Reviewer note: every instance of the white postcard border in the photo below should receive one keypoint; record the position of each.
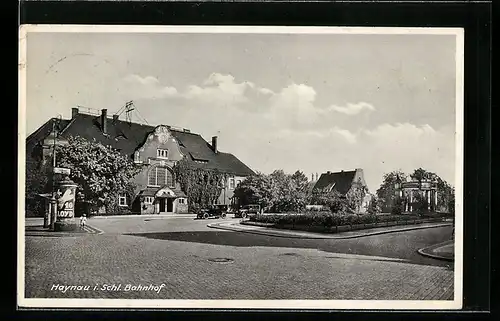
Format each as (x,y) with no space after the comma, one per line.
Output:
(456,303)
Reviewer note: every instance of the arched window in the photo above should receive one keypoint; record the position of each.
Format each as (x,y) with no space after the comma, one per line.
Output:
(159,176)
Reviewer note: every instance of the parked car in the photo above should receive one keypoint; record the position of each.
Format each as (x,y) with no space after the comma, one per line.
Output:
(214,211)
(247,210)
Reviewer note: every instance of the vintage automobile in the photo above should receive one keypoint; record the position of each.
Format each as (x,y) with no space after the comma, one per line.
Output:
(248,210)
(213,211)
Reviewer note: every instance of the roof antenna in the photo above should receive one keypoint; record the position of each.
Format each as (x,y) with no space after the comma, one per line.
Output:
(129,107)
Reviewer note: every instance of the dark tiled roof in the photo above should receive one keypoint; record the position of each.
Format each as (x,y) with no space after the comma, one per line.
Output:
(44,130)
(123,136)
(127,137)
(342,180)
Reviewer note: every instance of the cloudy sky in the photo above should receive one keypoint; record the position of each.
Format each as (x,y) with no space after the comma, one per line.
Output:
(313,102)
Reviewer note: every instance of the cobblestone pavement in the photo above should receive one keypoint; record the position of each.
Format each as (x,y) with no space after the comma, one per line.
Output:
(179,253)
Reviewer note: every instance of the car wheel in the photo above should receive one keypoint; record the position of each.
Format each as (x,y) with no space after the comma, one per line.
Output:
(223,215)
(205,216)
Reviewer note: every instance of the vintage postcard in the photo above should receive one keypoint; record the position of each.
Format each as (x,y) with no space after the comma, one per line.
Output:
(240,167)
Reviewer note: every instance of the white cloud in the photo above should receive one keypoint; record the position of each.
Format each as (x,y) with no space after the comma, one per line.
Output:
(147,87)
(219,89)
(349,137)
(290,125)
(408,146)
(352,109)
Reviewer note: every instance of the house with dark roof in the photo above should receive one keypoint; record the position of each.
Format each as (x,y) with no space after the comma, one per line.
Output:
(156,147)
(342,182)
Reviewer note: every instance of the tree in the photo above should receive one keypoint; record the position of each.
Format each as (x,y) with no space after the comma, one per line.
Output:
(202,186)
(284,188)
(256,189)
(398,205)
(420,204)
(300,180)
(445,192)
(99,171)
(421,174)
(38,181)
(373,206)
(356,195)
(386,193)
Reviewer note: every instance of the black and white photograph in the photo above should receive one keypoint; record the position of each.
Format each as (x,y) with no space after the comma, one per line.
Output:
(240,167)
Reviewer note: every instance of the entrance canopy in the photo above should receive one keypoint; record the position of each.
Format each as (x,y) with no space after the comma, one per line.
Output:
(162,192)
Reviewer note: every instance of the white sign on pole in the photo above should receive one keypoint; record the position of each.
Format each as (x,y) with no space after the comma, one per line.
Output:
(60,170)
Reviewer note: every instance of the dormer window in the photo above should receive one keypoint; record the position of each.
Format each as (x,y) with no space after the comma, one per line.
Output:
(162,153)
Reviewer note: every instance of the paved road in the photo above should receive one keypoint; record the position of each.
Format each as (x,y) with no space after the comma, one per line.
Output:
(179,253)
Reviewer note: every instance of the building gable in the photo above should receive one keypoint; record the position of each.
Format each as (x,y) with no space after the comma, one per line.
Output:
(160,145)
(339,181)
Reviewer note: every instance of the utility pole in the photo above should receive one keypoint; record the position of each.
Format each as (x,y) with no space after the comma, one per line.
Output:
(53,202)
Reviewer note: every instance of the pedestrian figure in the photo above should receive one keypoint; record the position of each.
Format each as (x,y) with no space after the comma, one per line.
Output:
(83,220)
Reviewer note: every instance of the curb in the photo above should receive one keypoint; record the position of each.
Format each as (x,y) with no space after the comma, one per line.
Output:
(434,256)
(320,237)
(89,230)
(93,230)
(156,216)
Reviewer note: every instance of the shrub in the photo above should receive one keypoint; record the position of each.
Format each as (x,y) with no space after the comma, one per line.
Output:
(329,219)
(397,209)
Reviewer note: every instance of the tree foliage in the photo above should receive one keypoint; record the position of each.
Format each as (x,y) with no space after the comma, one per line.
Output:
(356,195)
(202,186)
(386,193)
(276,192)
(99,171)
(388,197)
(256,189)
(38,181)
(373,205)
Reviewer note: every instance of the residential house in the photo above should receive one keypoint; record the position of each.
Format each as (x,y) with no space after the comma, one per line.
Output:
(157,147)
(342,182)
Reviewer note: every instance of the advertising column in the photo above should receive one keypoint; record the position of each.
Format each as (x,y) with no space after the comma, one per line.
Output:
(65,202)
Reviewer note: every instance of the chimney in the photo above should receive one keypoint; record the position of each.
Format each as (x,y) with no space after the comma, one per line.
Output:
(316,176)
(214,144)
(115,118)
(104,121)
(312,177)
(74,112)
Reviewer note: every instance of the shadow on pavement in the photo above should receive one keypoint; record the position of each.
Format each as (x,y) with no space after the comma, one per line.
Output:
(394,245)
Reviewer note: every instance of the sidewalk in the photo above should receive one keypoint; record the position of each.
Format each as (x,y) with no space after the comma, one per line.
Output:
(237,227)
(150,216)
(441,251)
(39,230)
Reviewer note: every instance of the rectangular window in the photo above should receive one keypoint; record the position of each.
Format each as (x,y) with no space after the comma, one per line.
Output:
(231,183)
(148,200)
(161,153)
(122,200)
(238,182)
(181,201)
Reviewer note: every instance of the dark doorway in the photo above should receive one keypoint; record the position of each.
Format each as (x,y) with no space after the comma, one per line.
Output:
(170,204)
(162,205)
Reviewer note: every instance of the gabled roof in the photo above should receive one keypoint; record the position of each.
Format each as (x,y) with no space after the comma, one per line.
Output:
(44,130)
(126,137)
(340,181)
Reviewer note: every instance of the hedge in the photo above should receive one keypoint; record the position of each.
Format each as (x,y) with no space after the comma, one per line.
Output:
(327,219)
